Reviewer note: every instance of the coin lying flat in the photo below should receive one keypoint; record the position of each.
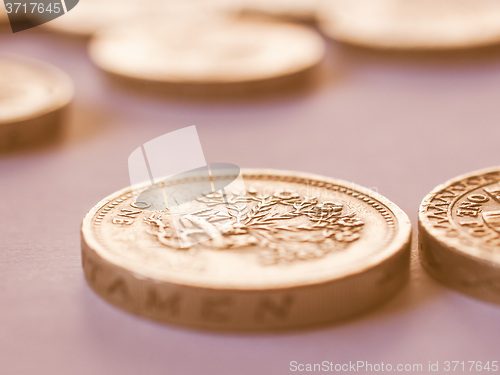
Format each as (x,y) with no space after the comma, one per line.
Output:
(412,24)
(208,53)
(459,235)
(301,10)
(92,15)
(33,97)
(289,250)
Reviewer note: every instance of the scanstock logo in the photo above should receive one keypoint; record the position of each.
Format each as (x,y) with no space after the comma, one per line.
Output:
(25,14)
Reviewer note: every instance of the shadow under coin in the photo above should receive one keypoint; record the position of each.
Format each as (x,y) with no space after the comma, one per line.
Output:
(291,86)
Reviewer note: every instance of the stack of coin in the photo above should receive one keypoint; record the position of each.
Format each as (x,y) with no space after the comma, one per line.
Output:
(33,97)
(412,24)
(459,233)
(208,56)
(292,250)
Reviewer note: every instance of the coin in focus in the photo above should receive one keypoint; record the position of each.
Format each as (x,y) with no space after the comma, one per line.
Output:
(412,24)
(208,55)
(459,234)
(33,99)
(288,250)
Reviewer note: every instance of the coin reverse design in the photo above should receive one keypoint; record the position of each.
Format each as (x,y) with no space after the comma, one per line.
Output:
(292,250)
(459,234)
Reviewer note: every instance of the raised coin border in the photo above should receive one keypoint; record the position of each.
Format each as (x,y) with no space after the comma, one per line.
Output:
(443,249)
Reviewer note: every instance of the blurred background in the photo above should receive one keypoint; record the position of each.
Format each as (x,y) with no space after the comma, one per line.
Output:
(398,120)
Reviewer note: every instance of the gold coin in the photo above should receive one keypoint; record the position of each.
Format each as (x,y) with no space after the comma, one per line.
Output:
(212,54)
(459,234)
(91,16)
(412,24)
(300,10)
(287,250)
(33,97)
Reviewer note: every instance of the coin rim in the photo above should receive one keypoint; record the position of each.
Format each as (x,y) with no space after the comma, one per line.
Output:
(57,75)
(104,67)
(427,229)
(326,24)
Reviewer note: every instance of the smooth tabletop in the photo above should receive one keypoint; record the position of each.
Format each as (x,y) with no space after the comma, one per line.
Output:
(398,123)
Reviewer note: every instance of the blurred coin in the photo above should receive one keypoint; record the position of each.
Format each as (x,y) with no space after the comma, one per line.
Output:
(300,10)
(289,250)
(207,54)
(459,234)
(412,24)
(92,15)
(33,96)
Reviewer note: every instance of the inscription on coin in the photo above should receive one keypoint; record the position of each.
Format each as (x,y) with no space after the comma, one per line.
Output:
(173,303)
(460,233)
(291,250)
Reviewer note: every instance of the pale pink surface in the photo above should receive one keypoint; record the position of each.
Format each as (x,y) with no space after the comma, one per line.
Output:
(401,124)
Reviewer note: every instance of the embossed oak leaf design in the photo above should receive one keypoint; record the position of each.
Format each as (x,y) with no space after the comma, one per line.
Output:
(284,226)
